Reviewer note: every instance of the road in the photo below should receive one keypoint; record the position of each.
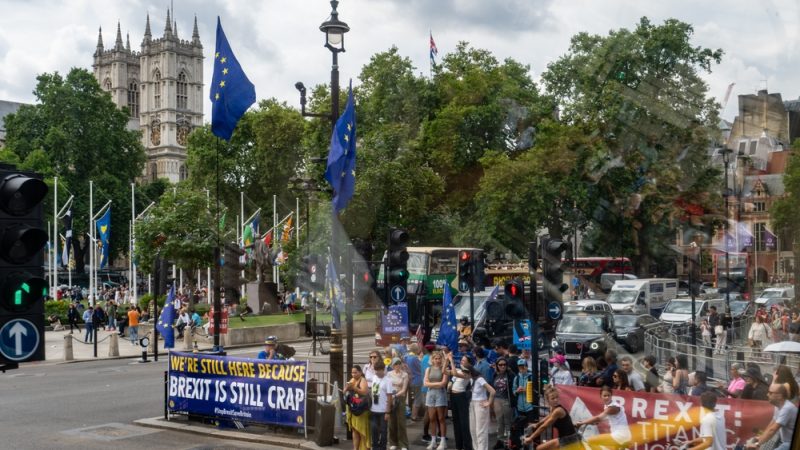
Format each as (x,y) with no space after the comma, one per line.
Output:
(92,404)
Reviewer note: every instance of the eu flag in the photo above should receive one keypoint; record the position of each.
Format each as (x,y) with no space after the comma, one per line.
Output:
(341,170)
(166,320)
(334,290)
(104,229)
(448,334)
(231,92)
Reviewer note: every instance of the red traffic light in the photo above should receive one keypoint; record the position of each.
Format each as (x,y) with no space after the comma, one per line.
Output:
(464,255)
(514,290)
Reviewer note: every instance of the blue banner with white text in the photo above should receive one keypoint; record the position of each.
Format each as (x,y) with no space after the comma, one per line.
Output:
(395,320)
(244,389)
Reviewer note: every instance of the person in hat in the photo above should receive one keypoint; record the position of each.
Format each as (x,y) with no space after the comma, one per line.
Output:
(270,349)
(755,387)
(464,327)
(561,374)
(519,388)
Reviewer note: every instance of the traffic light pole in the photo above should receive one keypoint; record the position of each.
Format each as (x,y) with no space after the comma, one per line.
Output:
(534,316)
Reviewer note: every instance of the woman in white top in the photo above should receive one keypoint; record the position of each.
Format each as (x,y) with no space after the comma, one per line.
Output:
(479,407)
(614,413)
(666,380)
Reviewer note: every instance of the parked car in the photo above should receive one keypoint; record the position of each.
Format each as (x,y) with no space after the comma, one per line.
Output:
(780,292)
(631,329)
(581,334)
(587,305)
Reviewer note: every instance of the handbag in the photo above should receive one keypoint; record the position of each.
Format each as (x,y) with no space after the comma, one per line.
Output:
(719,330)
(358,403)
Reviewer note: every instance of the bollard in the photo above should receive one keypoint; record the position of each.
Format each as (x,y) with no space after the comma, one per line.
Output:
(187,340)
(113,345)
(68,356)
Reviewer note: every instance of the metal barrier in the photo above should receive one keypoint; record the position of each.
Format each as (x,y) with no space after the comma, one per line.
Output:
(716,365)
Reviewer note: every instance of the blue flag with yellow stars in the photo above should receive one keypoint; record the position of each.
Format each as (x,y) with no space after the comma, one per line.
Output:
(167,319)
(104,234)
(341,170)
(231,92)
(448,334)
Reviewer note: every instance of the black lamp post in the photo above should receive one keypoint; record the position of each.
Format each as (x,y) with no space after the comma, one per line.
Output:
(726,160)
(334,30)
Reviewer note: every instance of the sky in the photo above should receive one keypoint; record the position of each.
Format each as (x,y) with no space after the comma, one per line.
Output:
(279,43)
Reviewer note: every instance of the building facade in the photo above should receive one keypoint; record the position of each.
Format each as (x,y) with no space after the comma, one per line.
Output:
(162,87)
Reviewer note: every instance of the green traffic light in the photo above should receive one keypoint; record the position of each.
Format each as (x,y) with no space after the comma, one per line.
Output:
(26,288)
(18,298)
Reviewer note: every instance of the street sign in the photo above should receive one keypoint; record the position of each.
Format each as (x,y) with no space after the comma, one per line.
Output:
(19,339)
(554,311)
(398,294)
(464,286)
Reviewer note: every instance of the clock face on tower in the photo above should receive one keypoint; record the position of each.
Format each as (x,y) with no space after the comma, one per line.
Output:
(183,135)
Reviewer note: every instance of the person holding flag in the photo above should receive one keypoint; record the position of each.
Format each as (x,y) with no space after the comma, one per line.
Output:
(167,318)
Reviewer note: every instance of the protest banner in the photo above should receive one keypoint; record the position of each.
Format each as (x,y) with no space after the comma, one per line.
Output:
(657,421)
(244,389)
(223,329)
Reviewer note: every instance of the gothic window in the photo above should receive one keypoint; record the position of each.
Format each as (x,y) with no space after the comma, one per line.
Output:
(154,172)
(183,90)
(758,232)
(183,173)
(155,132)
(759,207)
(107,85)
(133,99)
(183,130)
(157,89)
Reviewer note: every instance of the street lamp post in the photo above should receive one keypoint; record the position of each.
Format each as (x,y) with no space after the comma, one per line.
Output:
(726,160)
(334,30)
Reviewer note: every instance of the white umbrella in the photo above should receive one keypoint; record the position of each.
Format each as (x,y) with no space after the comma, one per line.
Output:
(783,347)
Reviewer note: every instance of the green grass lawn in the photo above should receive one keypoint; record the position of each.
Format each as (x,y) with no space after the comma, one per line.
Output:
(281,319)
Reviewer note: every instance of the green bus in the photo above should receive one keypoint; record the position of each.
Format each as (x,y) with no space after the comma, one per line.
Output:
(429,269)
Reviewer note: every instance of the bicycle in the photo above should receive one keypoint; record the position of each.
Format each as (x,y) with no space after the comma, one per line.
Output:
(322,337)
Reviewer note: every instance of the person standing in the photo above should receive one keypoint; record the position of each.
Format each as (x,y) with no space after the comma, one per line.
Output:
(504,400)
(758,336)
(360,424)
(72,317)
(369,368)
(613,412)
(712,426)
(424,364)
(398,434)
(783,420)
(634,378)
(414,365)
(381,411)
(736,384)
(714,321)
(606,376)
(479,406)
(133,325)
(680,375)
(436,399)
(87,320)
(111,307)
(459,400)
(755,387)
(721,331)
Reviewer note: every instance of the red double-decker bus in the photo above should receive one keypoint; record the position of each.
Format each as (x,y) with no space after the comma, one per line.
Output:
(593,266)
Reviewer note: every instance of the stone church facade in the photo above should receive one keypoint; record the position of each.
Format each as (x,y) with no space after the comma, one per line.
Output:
(162,87)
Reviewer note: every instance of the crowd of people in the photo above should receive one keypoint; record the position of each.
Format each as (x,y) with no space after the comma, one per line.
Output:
(491,388)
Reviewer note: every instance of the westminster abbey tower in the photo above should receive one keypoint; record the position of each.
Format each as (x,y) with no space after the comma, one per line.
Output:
(162,86)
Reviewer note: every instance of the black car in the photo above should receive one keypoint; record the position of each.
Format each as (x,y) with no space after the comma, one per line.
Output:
(631,329)
(581,334)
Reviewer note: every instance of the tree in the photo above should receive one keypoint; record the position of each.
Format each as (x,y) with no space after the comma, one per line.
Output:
(785,212)
(75,132)
(640,93)
(179,228)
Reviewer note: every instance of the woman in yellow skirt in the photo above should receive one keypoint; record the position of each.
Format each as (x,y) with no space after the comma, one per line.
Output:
(359,424)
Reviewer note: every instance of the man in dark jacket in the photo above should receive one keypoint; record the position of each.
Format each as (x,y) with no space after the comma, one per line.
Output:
(73,316)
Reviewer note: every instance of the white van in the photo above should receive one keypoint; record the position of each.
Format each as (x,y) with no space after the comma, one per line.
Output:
(784,292)
(679,311)
(642,296)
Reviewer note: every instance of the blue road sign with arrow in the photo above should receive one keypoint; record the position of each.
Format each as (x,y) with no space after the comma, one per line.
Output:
(554,311)
(398,294)
(19,339)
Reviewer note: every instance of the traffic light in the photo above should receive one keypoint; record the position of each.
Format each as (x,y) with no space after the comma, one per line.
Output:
(515,299)
(544,373)
(365,281)
(231,273)
(553,270)
(397,262)
(465,278)
(23,288)
(316,272)
(479,270)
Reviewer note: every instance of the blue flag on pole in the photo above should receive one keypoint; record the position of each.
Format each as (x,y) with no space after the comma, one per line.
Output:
(231,91)
(334,290)
(448,334)
(341,169)
(167,319)
(104,234)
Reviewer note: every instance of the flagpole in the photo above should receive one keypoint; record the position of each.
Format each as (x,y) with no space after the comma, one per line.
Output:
(90,247)
(274,226)
(133,287)
(53,268)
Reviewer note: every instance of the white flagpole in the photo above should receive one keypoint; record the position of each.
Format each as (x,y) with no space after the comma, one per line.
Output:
(53,267)
(90,247)
(274,235)
(132,289)
(297,207)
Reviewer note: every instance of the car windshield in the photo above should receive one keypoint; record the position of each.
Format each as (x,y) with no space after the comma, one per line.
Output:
(623,321)
(681,307)
(622,297)
(772,294)
(580,324)
(737,308)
